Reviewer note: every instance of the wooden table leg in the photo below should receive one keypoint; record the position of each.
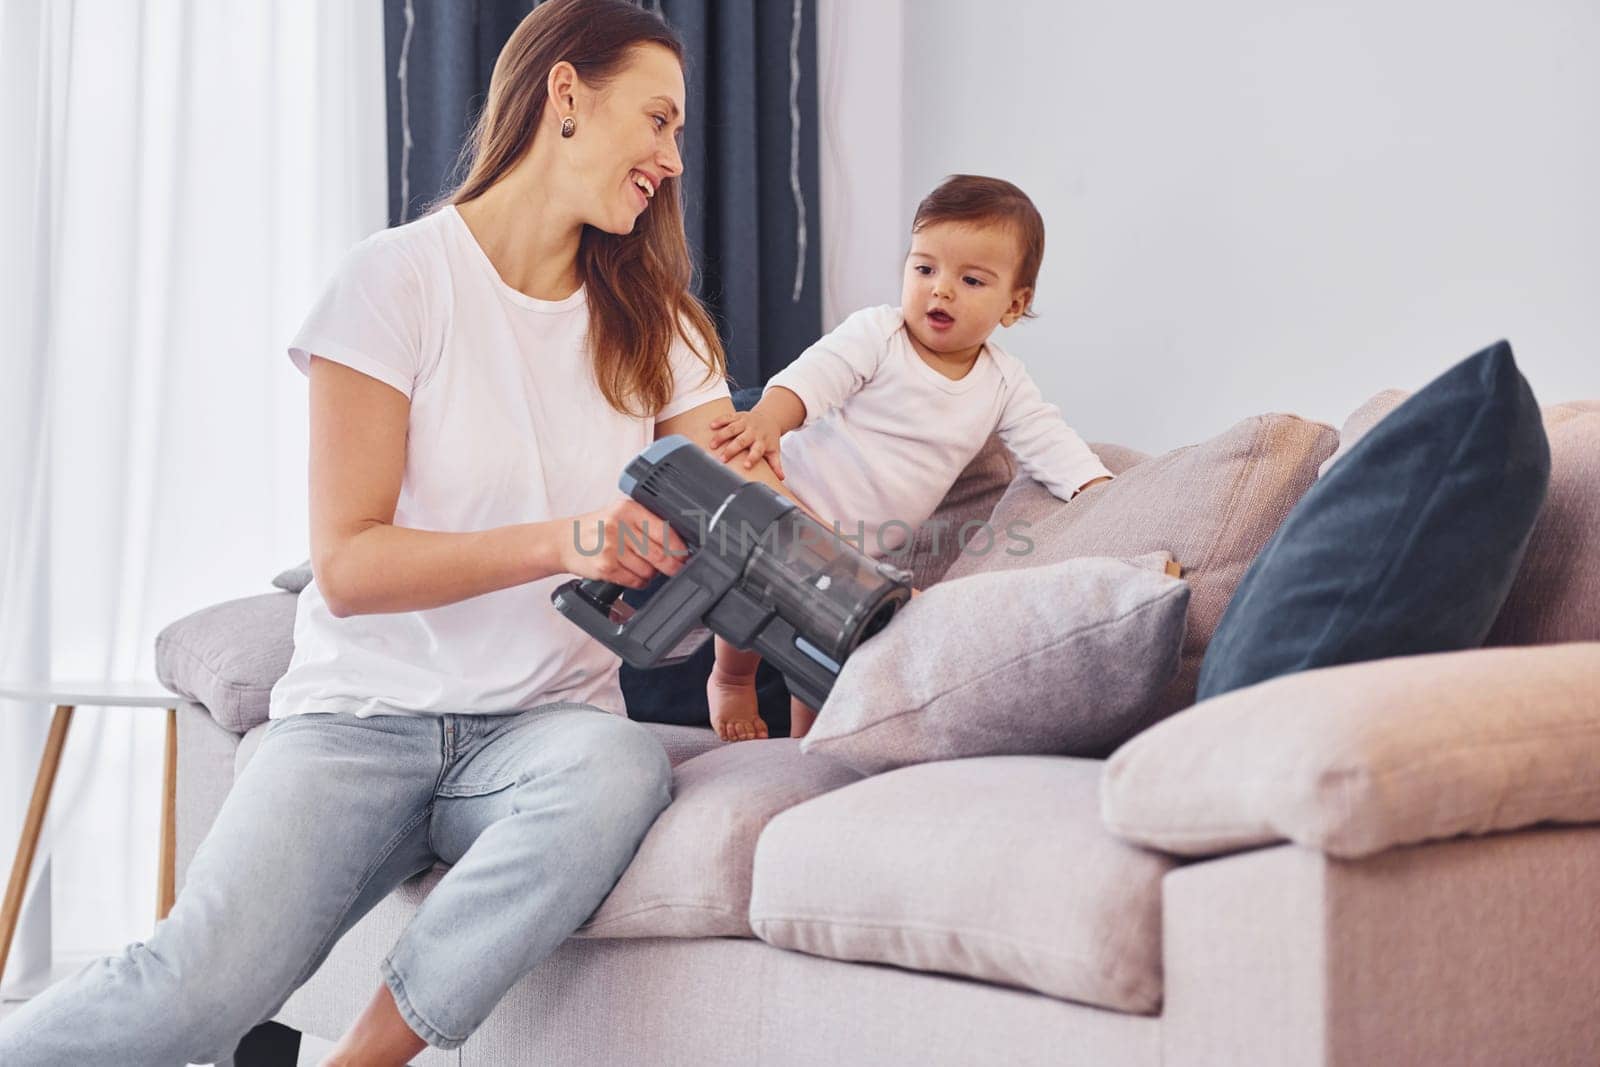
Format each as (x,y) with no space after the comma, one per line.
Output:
(43,783)
(166,876)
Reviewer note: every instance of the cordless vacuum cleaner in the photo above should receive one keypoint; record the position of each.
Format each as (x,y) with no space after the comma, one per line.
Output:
(761,574)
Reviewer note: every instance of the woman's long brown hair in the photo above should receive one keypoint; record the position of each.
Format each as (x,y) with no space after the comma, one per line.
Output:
(637,284)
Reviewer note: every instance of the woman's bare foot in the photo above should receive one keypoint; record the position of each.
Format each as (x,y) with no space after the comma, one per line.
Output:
(735,712)
(801,716)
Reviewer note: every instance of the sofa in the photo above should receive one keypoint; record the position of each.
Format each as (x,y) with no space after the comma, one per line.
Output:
(1248,902)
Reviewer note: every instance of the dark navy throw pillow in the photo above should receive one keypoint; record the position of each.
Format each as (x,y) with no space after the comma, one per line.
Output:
(1407,545)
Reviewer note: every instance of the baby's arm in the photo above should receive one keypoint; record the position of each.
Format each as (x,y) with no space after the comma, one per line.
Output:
(820,379)
(756,432)
(783,406)
(836,367)
(1045,446)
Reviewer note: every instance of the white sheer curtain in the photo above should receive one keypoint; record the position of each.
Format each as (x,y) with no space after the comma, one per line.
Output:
(177,180)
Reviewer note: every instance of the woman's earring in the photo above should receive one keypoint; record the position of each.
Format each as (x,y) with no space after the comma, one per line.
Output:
(568,127)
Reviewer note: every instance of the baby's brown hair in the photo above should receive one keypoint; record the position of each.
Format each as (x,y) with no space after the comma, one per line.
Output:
(972,198)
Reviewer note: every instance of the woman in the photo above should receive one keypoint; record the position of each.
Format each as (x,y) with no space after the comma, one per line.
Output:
(478,379)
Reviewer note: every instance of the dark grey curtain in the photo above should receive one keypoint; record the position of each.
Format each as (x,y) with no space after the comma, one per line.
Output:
(750,148)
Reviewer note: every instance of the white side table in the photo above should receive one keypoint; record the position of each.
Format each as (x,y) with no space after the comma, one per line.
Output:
(66,695)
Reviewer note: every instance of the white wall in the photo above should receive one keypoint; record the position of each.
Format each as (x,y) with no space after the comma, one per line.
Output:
(1254,206)
(860,78)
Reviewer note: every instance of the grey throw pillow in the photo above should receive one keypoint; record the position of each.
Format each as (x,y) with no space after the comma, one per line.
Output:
(295,578)
(1212,505)
(1063,659)
(229,656)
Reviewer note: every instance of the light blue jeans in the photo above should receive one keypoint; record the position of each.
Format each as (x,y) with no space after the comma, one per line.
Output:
(539,812)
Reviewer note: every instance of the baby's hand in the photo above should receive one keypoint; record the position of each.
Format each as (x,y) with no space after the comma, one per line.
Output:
(750,432)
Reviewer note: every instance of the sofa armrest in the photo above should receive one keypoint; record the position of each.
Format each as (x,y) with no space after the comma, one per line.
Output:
(1355,759)
(207,753)
(1483,950)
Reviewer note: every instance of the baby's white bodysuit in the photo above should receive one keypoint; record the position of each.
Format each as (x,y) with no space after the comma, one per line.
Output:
(885,435)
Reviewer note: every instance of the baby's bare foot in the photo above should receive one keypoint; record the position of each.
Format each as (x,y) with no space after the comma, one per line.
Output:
(735,712)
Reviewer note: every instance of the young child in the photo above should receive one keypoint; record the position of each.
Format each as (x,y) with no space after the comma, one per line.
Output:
(879,417)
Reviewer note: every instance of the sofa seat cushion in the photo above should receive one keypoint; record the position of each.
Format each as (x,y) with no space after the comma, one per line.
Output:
(994,868)
(229,656)
(1212,506)
(691,875)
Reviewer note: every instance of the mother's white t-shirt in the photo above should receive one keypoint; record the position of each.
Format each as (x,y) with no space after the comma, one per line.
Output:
(507,426)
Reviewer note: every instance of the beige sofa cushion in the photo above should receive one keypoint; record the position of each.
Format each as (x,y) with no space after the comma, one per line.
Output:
(1212,506)
(1118,458)
(1361,420)
(1556,594)
(972,498)
(994,868)
(691,875)
(1060,660)
(1356,759)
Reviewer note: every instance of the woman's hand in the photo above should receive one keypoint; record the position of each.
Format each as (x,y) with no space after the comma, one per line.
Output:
(753,432)
(623,543)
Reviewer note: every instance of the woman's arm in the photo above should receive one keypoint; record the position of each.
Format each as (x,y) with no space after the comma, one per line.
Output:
(365,565)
